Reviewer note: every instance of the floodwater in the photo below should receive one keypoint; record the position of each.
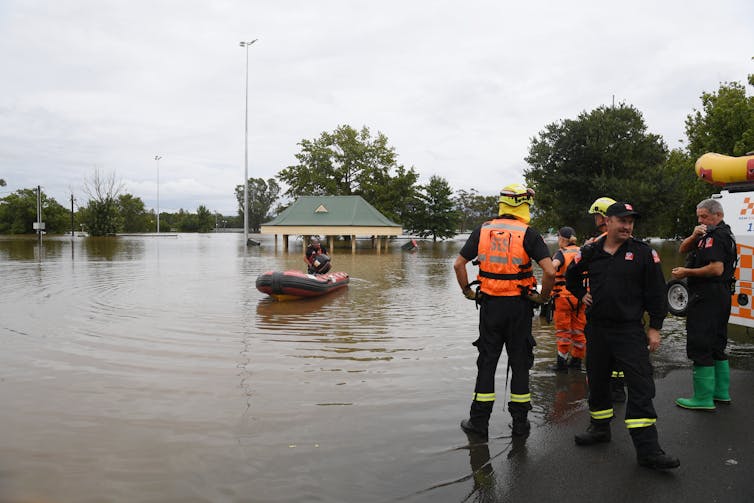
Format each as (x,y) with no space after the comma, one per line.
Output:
(150,369)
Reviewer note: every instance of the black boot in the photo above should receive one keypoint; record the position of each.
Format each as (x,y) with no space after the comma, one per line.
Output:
(479,418)
(473,429)
(560,365)
(617,389)
(519,412)
(575,363)
(597,432)
(648,451)
(658,460)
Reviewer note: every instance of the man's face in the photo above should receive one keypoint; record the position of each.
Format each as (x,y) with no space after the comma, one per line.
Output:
(599,221)
(620,228)
(703,216)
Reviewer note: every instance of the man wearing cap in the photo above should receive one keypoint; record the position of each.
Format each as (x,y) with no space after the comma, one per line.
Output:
(569,311)
(625,281)
(505,249)
(599,210)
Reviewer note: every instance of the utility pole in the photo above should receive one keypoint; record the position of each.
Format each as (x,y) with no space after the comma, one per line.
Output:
(72,229)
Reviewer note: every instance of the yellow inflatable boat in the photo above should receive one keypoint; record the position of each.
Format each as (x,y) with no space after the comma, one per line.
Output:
(719,169)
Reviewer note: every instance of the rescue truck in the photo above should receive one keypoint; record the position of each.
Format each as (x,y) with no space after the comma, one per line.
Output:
(735,175)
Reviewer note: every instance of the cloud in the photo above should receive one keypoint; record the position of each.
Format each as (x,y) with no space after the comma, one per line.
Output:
(459,89)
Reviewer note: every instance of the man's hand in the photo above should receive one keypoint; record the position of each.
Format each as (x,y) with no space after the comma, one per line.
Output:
(679,272)
(699,231)
(653,339)
(469,293)
(587,299)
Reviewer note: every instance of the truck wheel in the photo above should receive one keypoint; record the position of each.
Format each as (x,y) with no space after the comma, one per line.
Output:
(678,297)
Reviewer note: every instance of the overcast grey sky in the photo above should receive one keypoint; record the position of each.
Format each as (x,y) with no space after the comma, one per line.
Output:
(459,88)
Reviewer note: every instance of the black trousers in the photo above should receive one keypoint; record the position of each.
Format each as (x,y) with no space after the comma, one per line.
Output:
(707,323)
(505,322)
(624,345)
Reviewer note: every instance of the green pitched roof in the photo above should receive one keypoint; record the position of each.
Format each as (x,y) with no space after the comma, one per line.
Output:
(349,211)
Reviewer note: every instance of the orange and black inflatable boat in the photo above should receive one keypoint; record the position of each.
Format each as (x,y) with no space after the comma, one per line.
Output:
(292,285)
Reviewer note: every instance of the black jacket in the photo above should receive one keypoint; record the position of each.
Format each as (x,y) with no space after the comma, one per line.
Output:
(623,285)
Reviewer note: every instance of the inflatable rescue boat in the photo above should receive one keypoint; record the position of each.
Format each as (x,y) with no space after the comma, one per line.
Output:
(719,169)
(292,285)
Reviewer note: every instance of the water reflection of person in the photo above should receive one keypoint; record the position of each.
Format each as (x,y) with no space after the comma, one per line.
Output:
(570,391)
(481,470)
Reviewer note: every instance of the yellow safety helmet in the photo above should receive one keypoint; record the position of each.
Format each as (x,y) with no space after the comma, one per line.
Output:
(516,194)
(600,206)
(515,200)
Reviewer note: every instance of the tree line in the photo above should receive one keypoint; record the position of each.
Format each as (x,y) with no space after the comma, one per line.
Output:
(107,212)
(607,151)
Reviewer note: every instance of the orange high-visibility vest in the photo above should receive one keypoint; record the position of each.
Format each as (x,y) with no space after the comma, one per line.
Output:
(505,269)
(569,253)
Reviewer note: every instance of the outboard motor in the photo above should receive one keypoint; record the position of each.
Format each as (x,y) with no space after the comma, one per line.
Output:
(321,264)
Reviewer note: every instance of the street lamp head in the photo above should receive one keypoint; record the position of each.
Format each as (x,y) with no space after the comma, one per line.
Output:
(157,157)
(246,44)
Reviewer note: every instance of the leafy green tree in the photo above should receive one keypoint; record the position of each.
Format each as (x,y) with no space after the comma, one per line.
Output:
(474,208)
(18,212)
(394,195)
(350,162)
(205,219)
(102,215)
(686,190)
(2,182)
(434,213)
(725,124)
(262,195)
(605,152)
(133,214)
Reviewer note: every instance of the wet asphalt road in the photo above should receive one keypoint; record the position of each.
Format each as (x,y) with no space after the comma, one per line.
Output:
(716,450)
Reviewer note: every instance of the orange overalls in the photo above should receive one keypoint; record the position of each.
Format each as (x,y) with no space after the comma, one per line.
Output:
(570,316)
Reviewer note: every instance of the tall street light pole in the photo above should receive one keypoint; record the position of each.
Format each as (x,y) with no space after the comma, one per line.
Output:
(157,160)
(246,152)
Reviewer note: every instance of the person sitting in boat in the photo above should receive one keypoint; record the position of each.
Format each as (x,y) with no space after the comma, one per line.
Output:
(314,266)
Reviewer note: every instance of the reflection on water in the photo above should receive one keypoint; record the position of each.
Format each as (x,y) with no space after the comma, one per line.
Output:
(154,366)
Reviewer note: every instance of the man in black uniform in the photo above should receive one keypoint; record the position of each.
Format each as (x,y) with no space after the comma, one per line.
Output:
(505,248)
(625,280)
(710,273)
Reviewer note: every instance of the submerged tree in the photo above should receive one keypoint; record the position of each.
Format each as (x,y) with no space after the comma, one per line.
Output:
(18,212)
(605,152)
(434,213)
(262,195)
(102,215)
(474,208)
(350,162)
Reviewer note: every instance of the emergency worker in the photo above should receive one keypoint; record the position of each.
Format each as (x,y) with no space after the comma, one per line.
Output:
(710,271)
(625,280)
(569,311)
(315,248)
(599,209)
(504,249)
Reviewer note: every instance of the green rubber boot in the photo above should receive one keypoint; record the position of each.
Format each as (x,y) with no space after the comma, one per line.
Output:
(704,386)
(722,381)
